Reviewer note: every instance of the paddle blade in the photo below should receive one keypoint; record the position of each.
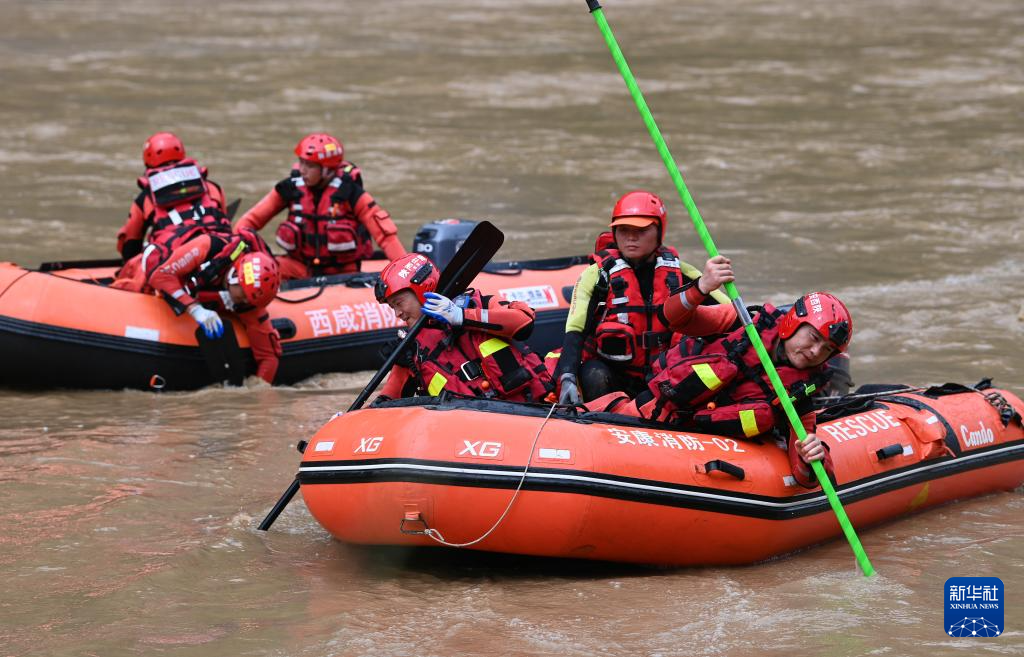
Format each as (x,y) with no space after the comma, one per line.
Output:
(232,208)
(224,358)
(470,259)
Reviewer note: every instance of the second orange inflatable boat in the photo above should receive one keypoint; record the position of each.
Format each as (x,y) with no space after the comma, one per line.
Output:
(506,478)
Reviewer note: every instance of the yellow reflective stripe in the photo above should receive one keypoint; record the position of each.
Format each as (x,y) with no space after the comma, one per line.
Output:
(490,346)
(689,270)
(748,420)
(238,251)
(436,384)
(708,376)
(553,354)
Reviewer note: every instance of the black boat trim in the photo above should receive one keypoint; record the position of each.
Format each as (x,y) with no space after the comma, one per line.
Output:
(38,330)
(647,491)
(372,338)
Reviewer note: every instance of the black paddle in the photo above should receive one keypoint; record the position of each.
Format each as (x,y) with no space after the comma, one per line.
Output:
(232,208)
(224,359)
(465,265)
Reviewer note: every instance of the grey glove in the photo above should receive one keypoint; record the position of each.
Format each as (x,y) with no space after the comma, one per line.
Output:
(569,390)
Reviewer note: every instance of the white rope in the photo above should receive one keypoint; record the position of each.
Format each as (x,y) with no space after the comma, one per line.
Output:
(436,535)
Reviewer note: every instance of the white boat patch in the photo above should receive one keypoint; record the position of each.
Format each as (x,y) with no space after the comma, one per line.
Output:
(140,333)
(555,454)
(536,296)
(324,446)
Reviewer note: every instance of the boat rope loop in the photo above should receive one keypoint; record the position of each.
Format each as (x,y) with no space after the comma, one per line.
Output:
(436,535)
(1007,413)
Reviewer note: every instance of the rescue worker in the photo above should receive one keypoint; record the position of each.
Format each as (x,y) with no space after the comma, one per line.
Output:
(176,201)
(221,272)
(331,218)
(616,326)
(468,346)
(720,387)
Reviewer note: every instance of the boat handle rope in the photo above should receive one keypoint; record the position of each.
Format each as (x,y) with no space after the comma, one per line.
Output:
(437,536)
(304,299)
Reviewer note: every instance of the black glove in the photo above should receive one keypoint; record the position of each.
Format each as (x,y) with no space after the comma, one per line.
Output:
(348,192)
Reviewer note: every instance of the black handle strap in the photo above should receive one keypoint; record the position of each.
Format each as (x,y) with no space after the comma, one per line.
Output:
(889,451)
(725,467)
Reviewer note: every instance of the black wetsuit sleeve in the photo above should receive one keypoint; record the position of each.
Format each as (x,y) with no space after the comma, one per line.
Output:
(572,352)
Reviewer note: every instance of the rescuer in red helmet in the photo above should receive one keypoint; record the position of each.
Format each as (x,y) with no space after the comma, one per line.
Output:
(616,326)
(176,202)
(221,272)
(719,387)
(470,344)
(332,221)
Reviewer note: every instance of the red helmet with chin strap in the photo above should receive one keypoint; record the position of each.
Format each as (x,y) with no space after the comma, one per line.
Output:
(161,148)
(258,276)
(412,271)
(321,148)
(640,209)
(827,314)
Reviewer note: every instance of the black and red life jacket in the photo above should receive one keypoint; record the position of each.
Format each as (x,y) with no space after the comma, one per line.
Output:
(721,387)
(182,205)
(323,231)
(207,284)
(629,331)
(475,363)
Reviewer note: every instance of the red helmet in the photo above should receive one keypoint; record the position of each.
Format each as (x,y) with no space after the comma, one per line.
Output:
(258,276)
(825,313)
(161,148)
(640,209)
(413,271)
(322,149)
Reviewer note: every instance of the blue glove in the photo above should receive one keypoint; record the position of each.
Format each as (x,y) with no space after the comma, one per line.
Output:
(212,325)
(442,309)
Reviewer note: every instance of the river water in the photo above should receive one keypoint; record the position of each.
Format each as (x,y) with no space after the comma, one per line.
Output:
(872,148)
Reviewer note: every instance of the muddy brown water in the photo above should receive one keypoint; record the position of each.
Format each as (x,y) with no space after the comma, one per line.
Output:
(870,148)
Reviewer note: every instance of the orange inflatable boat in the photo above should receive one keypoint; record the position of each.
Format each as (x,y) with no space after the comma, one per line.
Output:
(507,478)
(61,325)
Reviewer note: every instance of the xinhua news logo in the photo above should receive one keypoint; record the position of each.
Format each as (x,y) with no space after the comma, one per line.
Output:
(974,606)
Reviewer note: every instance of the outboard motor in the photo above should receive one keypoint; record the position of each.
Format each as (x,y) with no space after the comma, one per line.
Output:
(439,240)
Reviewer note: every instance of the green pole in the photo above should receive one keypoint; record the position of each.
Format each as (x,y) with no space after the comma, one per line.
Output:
(730,288)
